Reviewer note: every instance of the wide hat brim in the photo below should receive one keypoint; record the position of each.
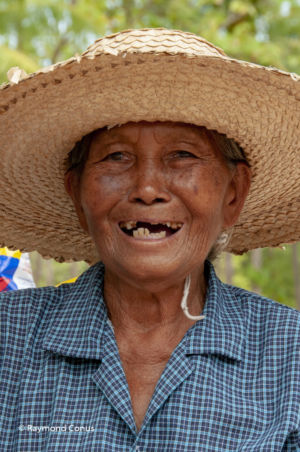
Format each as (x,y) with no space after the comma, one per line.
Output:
(152,75)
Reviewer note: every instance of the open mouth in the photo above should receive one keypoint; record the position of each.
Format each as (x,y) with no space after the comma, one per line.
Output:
(141,229)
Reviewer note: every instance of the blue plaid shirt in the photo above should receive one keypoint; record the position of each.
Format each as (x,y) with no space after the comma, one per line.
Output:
(231,384)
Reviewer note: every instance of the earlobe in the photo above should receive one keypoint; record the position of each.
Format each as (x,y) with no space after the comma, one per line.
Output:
(71,184)
(237,193)
(72,187)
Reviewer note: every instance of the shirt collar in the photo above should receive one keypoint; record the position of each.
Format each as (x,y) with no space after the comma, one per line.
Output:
(79,317)
(222,331)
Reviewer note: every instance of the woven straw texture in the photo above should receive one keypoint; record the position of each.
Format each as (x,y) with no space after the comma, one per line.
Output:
(153,75)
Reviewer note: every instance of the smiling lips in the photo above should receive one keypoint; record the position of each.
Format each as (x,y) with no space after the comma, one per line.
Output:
(145,230)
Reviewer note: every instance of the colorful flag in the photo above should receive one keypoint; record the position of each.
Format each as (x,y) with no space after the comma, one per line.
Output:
(15,270)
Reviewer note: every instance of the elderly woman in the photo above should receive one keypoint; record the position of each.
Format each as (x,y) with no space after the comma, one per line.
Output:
(157,135)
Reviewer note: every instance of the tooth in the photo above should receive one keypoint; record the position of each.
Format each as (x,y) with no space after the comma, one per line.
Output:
(176,225)
(140,232)
(144,232)
(158,235)
(128,224)
(168,224)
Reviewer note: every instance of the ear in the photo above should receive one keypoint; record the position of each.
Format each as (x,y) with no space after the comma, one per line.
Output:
(236,195)
(72,187)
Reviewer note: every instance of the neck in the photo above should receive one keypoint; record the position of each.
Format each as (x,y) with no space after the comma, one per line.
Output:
(135,308)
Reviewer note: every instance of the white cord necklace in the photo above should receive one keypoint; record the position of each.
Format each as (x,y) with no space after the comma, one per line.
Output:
(183,303)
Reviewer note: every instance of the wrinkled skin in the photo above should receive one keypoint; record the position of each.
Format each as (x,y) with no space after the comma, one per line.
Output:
(154,172)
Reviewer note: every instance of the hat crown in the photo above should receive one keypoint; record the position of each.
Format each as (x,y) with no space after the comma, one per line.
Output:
(154,40)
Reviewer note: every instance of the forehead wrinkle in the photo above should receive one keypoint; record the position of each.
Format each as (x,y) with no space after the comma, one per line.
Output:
(163,132)
(188,132)
(119,133)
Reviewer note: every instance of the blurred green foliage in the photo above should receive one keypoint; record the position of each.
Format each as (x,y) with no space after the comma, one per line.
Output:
(274,278)
(36,33)
(43,32)
(48,272)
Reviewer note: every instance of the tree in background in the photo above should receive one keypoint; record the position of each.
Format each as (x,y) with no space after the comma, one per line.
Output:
(35,33)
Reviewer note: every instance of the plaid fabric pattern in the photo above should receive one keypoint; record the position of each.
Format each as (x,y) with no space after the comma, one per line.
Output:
(231,384)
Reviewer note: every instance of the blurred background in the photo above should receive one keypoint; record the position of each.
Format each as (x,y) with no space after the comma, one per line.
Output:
(37,33)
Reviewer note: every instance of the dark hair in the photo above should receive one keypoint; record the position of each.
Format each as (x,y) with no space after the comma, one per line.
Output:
(78,156)
(229,148)
(231,151)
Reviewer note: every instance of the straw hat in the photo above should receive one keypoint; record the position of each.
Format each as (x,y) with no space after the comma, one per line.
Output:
(153,75)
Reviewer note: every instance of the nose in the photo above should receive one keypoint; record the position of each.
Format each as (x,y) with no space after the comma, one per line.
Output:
(149,183)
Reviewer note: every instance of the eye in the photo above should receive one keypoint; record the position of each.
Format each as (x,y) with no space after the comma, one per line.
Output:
(184,154)
(116,156)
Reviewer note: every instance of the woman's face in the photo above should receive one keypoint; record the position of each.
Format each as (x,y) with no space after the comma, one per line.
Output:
(154,197)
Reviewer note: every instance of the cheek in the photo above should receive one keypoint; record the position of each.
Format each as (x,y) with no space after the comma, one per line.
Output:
(202,192)
(99,195)
(201,188)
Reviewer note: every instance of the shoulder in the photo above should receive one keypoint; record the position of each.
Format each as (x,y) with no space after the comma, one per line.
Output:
(28,312)
(24,301)
(263,308)
(25,310)
(28,302)
(268,323)
(259,315)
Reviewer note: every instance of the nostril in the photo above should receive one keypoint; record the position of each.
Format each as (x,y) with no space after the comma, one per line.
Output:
(149,201)
(148,192)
